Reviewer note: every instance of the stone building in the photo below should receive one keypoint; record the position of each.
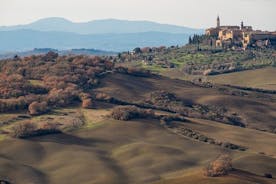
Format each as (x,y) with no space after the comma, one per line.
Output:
(240,36)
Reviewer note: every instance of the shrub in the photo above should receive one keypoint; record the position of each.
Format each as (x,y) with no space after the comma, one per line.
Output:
(48,126)
(50,56)
(137,50)
(167,119)
(77,123)
(219,167)
(126,113)
(28,129)
(103,97)
(23,129)
(4,182)
(268,175)
(37,108)
(162,97)
(87,103)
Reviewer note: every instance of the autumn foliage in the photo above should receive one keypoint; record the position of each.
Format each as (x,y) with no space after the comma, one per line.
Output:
(30,129)
(219,167)
(37,108)
(126,113)
(39,83)
(87,103)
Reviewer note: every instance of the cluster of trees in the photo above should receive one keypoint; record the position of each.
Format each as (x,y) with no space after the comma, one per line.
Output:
(38,83)
(129,112)
(166,101)
(200,57)
(221,166)
(126,113)
(145,53)
(29,129)
(202,39)
(15,85)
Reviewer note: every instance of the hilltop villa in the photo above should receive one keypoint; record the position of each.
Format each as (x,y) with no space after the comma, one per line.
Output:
(241,36)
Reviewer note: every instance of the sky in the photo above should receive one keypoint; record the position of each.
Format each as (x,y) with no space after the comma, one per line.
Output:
(260,14)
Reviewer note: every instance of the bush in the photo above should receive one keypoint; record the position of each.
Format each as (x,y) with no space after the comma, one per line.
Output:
(126,113)
(28,129)
(87,103)
(268,175)
(50,56)
(4,182)
(57,80)
(23,129)
(219,167)
(37,108)
(103,97)
(167,119)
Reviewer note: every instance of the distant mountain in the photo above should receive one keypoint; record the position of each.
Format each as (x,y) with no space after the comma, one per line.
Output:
(21,40)
(109,34)
(38,51)
(105,26)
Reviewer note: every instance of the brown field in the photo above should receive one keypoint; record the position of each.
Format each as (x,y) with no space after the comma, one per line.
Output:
(260,78)
(142,151)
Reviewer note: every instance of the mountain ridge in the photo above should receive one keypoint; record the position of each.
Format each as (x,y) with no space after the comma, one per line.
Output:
(22,40)
(101,26)
(106,34)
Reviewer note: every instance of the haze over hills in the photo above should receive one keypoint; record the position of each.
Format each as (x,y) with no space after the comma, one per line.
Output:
(20,40)
(110,34)
(101,26)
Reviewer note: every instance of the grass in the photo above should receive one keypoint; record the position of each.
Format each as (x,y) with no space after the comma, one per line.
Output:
(94,117)
(198,178)
(190,61)
(142,151)
(123,152)
(63,116)
(2,137)
(36,82)
(259,78)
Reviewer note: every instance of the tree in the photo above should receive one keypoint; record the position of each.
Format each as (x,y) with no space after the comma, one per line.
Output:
(87,103)
(23,129)
(190,40)
(50,56)
(137,50)
(37,108)
(220,166)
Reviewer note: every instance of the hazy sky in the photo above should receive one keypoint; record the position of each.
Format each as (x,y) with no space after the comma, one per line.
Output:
(193,13)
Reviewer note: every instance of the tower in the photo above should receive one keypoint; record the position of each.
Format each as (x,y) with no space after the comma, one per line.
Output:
(218,21)
(242,26)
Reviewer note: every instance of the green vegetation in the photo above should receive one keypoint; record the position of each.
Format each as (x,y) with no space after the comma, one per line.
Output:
(36,82)
(204,61)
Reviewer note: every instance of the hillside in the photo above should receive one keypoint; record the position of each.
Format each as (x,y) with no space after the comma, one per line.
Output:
(84,116)
(201,60)
(39,51)
(261,78)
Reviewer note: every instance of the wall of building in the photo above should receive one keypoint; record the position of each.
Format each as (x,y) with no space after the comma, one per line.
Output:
(243,35)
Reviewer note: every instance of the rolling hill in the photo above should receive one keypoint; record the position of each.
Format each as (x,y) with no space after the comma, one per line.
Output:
(140,150)
(39,51)
(179,127)
(260,78)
